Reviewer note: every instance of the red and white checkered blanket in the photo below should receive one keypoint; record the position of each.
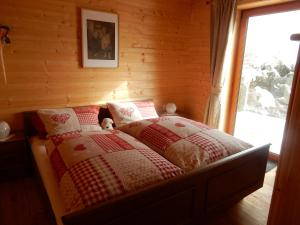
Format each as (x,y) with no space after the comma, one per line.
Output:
(186,143)
(97,166)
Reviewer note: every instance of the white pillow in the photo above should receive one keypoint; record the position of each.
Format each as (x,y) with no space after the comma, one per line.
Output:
(64,120)
(126,112)
(59,121)
(147,109)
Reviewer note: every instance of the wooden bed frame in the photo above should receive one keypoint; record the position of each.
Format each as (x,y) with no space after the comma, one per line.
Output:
(186,200)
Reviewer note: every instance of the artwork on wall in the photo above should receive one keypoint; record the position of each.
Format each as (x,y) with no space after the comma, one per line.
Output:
(99,39)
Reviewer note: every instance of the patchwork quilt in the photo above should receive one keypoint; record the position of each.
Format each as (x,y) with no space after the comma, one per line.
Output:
(186,143)
(93,167)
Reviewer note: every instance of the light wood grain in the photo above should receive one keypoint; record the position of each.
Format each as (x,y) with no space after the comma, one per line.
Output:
(164,55)
(286,197)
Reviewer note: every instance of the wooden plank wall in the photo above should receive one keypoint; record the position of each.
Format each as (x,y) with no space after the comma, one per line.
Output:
(164,55)
(286,194)
(199,47)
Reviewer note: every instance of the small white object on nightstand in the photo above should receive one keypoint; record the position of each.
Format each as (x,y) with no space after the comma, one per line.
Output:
(171,108)
(4,130)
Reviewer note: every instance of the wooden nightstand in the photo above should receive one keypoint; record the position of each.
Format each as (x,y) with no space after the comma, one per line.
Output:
(14,157)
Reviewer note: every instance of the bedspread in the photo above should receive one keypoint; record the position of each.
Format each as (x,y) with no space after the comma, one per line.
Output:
(97,166)
(186,143)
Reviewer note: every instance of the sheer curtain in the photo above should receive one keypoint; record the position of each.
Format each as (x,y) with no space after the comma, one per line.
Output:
(222,20)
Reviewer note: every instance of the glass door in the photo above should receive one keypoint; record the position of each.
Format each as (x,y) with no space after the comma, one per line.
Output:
(266,77)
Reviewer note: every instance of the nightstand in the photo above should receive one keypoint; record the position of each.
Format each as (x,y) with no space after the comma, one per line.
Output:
(14,157)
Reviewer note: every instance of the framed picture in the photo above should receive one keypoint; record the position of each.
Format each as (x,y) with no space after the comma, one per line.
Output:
(99,39)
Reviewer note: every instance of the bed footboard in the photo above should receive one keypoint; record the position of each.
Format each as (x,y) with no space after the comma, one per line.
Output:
(187,199)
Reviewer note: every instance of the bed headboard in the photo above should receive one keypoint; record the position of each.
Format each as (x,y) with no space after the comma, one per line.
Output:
(29,129)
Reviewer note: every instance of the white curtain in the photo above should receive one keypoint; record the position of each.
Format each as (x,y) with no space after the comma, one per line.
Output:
(222,20)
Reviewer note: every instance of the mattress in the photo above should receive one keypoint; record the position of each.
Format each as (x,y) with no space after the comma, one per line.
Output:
(48,177)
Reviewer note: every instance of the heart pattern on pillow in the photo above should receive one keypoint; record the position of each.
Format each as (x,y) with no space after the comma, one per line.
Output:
(61,118)
(80,147)
(127,111)
(179,125)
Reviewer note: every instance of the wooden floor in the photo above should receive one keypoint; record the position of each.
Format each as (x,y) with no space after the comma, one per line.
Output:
(23,203)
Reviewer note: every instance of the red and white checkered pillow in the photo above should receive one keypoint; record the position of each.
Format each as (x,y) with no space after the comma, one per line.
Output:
(88,117)
(147,109)
(64,120)
(126,112)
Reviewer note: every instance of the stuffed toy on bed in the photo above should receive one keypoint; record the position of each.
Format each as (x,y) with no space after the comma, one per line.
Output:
(107,124)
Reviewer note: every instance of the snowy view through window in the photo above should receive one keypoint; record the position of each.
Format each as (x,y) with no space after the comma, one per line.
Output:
(267,75)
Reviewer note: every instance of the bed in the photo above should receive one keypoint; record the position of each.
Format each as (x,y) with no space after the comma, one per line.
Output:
(189,198)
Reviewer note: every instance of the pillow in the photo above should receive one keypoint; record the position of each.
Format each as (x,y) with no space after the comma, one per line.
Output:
(147,109)
(88,117)
(59,121)
(64,120)
(126,112)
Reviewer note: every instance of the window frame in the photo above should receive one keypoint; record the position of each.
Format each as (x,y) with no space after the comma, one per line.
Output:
(238,56)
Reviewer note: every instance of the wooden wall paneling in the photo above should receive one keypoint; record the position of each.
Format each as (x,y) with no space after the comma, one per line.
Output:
(163,55)
(199,45)
(286,194)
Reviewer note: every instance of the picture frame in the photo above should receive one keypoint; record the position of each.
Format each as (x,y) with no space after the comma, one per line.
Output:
(100,39)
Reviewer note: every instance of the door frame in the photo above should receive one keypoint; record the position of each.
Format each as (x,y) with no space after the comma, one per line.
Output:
(239,57)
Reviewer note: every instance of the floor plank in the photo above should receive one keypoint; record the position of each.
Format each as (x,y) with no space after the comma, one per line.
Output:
(22,203)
